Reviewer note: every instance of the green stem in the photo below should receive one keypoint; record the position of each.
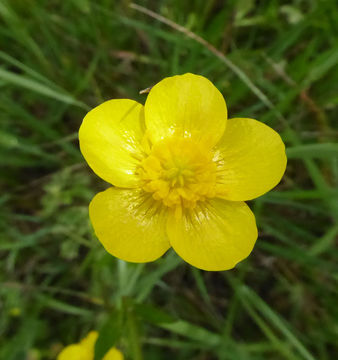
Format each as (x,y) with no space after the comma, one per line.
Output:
(133,330)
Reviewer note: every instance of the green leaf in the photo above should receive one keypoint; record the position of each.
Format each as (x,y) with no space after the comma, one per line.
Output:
(33,85)
(313,151)
(109,334)
(184,328)
(63,307)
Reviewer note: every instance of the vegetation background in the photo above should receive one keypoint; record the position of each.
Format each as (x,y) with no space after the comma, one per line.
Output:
(277,62)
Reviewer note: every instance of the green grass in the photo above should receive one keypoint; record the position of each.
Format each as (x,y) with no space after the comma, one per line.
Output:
(60,58)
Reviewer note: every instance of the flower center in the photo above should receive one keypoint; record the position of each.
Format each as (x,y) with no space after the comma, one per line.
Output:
(179,173)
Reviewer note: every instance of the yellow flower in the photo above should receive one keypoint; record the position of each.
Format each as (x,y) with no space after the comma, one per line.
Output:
(181,172)
(84,350)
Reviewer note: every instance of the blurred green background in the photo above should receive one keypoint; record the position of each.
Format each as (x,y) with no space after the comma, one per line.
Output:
(58,59)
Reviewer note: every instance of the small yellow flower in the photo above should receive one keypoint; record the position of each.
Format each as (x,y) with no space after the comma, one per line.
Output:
(181,172)
(84,350)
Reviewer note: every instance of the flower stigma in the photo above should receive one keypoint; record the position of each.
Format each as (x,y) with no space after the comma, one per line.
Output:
(179,173)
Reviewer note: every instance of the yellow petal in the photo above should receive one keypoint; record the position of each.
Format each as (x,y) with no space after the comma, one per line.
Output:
(251,160)
(129,225)
(84,350)
(214,236)
(89,341)
(75,352)
(110,140)
(113,354)
(186,105)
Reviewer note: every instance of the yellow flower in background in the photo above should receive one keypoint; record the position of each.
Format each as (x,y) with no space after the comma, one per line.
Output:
(181,173)
(85,350)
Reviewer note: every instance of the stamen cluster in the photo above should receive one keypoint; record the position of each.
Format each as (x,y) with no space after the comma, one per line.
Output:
(179,173)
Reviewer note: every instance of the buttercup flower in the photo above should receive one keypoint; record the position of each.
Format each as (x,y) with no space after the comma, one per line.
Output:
(181,173)
(84,350)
